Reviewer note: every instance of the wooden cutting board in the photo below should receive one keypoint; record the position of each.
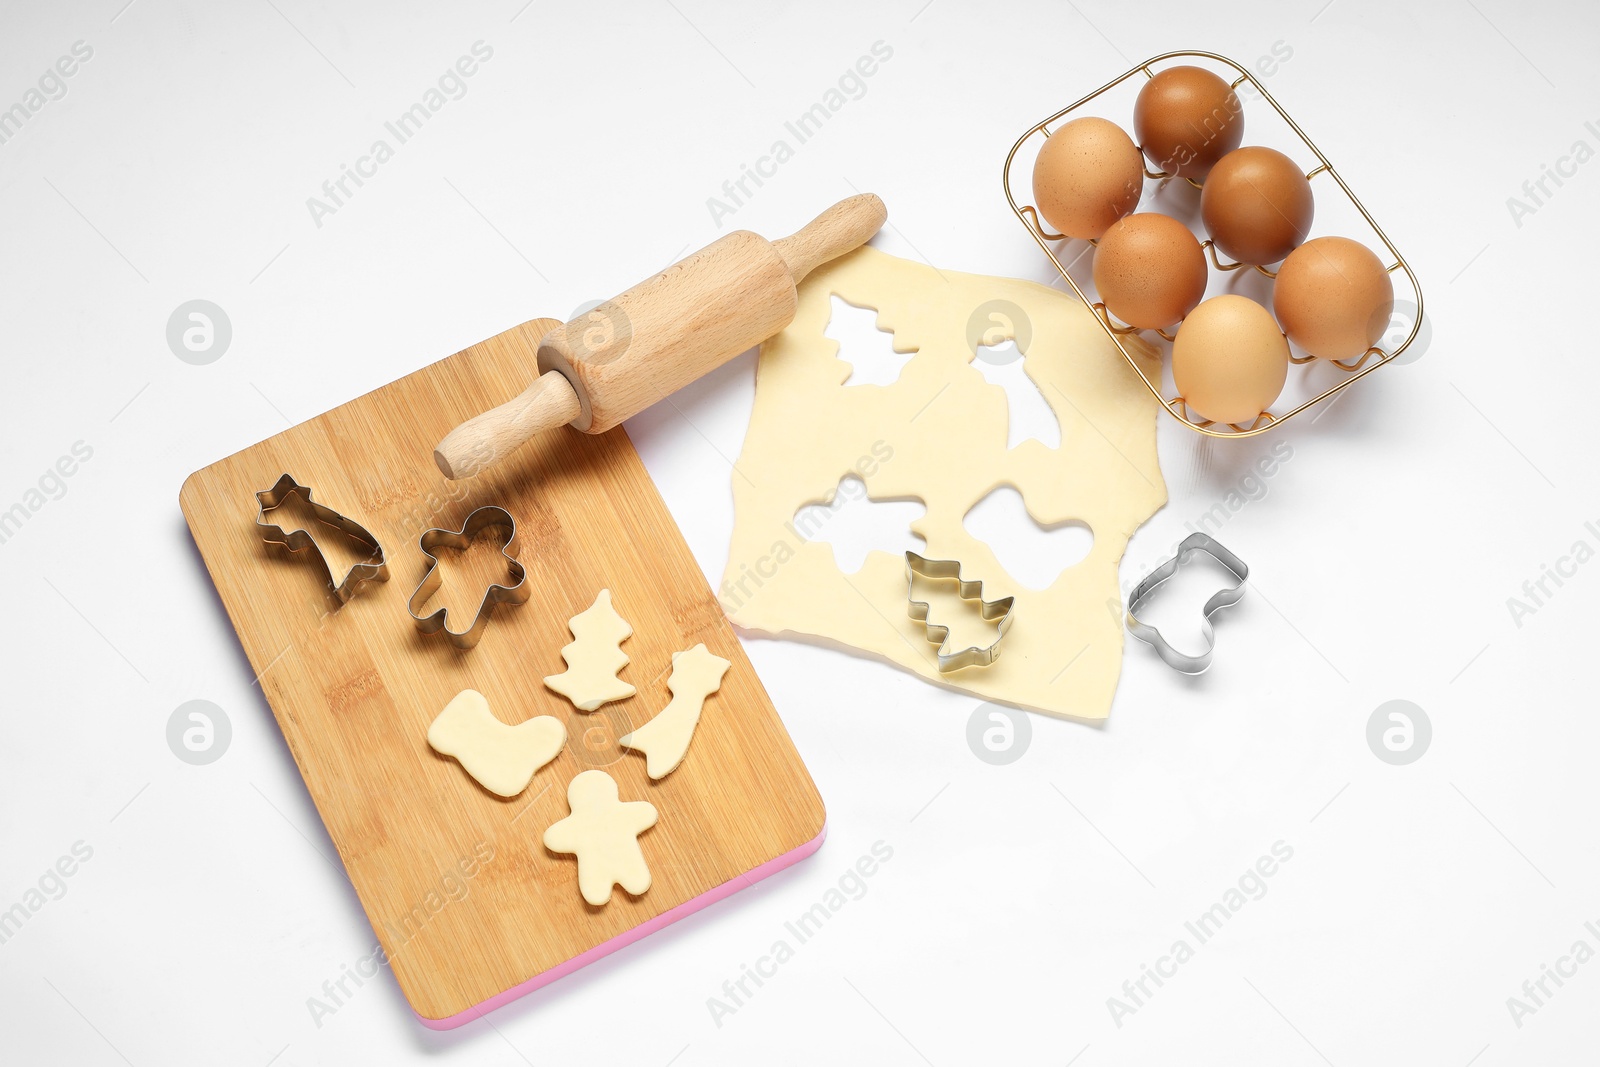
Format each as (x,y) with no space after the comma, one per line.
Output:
(469,906)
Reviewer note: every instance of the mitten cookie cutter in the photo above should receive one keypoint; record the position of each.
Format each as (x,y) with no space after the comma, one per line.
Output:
(991,610)
(374,569)
(1183,661)
(515,593)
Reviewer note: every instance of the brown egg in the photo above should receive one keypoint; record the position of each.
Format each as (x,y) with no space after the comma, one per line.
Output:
(1333,297)
(1187,118)
(1088,175)
(1256,205)
(1229,361)
(1149,270)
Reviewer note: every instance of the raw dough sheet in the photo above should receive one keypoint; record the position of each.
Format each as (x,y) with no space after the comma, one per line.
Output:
(937,435)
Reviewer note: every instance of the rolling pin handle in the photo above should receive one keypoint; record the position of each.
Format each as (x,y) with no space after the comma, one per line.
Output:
(481,442)
(840,229)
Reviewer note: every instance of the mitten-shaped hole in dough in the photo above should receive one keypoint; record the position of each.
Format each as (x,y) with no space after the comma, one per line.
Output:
(1032,553)
(870,351)
(854,524)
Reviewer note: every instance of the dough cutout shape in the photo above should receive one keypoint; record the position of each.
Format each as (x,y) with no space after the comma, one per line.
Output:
(938,434)
(1033,554)
(871,352)
(500,757)
(664,740)
(594,657)
(1028,413)
(854,524)
(603,832)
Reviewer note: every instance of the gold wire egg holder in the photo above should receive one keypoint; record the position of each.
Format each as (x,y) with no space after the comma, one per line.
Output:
(1357,369)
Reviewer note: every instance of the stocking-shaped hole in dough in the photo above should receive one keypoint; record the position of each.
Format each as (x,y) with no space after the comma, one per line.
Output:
(870,351)
(1174,607)
(1028,414)
(854,524)
(1032,553)
(467,574)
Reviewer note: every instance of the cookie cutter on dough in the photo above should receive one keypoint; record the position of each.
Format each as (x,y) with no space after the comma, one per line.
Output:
(515,593)
(991,610)
(1183,661)
(374,569)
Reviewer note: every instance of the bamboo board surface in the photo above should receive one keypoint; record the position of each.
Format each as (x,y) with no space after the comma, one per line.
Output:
(464,898)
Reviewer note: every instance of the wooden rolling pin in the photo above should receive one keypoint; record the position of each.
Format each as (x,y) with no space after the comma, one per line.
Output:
(616,360)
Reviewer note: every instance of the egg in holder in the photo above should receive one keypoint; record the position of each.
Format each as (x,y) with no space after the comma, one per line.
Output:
(1331,310)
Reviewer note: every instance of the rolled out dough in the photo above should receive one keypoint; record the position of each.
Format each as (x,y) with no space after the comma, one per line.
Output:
(938,435)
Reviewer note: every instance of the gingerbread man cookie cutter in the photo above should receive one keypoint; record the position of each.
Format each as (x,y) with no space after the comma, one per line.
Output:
(1229,595)
(995,611)
(515,593)
(373,569)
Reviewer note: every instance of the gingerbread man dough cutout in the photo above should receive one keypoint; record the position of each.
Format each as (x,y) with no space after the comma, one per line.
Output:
(664,740)
(603,833)
(501,757)
(595,657)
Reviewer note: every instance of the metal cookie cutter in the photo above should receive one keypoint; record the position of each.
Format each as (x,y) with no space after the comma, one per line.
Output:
(374,569)
(991,610)
(515,593)
(1182,661)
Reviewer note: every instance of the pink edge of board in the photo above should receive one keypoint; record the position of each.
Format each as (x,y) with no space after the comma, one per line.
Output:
(628,937)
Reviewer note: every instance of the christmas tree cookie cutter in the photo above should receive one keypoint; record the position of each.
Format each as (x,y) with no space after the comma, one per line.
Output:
(1172,657)
(995,611)
(373,569)
(517,592)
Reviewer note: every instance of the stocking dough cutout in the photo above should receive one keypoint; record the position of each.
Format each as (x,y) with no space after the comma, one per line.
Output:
(664,740)
(501,758)
(938,434)
(603,833)
(595,657)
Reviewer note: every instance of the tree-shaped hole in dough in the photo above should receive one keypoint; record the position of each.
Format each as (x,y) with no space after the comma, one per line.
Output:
(1033,553)
(853,524)
(871,352)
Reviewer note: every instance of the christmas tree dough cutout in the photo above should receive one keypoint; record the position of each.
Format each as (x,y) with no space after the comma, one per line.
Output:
(501,758)
(664,740)
(603,833)
(594,657)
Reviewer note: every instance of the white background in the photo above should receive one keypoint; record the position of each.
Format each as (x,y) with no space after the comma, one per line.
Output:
(1020,897)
